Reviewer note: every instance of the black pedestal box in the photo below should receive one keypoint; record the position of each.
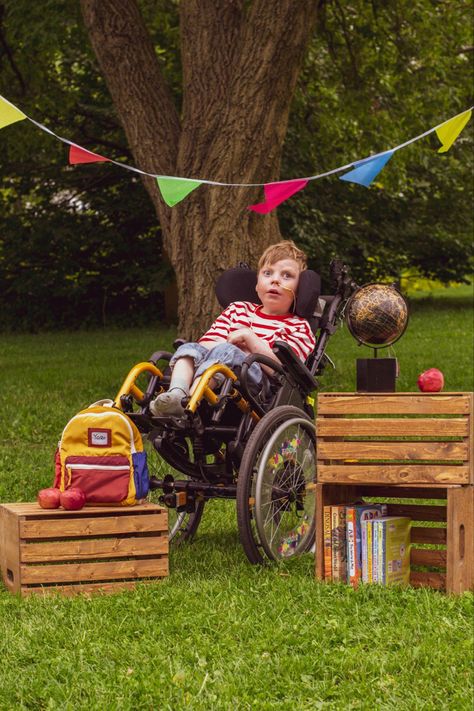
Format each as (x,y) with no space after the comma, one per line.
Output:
(376,375)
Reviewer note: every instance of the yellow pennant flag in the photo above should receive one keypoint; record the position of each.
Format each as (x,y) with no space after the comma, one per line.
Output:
(449,131)
(9,113)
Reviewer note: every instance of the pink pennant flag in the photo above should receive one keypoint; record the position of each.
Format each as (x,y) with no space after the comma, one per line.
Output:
(276,193)
(80,155)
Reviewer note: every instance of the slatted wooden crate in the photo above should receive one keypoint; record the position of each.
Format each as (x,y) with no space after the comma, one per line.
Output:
(96,549)
(414,447)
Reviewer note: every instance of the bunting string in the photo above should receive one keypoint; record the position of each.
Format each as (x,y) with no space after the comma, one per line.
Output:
(174,188)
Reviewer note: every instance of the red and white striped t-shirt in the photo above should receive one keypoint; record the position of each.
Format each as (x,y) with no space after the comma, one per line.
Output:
(278,327)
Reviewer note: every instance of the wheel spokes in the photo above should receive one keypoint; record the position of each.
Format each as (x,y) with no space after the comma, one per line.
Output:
(285,489)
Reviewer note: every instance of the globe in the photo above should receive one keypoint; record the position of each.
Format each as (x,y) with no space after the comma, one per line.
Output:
(377,315)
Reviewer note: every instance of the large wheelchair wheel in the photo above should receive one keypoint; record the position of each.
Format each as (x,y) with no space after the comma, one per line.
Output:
(276,486)
(182,525)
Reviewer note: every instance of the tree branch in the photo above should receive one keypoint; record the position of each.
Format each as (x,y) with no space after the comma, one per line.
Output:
(141,96)
(9,53)
(210,44)
(274,38)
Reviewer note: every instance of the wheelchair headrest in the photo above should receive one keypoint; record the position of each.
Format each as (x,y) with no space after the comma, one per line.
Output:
(238,284)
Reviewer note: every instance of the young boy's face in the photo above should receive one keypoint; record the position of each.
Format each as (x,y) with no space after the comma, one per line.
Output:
(277,284)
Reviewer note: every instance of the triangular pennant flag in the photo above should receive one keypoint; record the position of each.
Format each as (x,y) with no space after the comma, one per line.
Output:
(366,170)
(80,155)
(276,193)
(449,131)
(173,190)
(9,113)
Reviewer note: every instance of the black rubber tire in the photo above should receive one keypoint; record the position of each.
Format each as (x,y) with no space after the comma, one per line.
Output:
(188,525)
(245,481)
(189,521)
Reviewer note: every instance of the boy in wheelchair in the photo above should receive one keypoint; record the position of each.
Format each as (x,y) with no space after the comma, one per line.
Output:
(244,328)
(233,418)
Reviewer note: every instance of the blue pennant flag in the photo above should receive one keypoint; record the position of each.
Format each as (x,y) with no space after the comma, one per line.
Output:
(366,170)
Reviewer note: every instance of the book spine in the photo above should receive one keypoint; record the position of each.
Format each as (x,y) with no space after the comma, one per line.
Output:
(342,543)
(375,550)
(369,551)
(363,550)
(380,556)
(383,551)
(327,543)
(351,546)
(335,558)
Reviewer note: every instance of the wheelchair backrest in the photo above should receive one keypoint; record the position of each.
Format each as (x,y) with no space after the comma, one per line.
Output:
(238,284)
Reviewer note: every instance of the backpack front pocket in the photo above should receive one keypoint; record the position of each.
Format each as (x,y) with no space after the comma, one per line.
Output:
(104,480)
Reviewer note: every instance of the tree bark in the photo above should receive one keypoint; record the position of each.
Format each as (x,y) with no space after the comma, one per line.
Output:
(240,66)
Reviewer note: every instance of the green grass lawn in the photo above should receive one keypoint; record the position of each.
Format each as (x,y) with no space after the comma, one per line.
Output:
(219,633)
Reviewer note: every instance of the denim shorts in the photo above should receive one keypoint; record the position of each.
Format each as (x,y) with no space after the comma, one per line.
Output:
(225,353)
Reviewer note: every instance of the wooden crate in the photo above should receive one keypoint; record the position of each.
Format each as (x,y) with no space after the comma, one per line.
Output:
(442,534)
(96,549)
(411,448)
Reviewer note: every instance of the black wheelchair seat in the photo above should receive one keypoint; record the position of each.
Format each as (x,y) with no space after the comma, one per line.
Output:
(238,284)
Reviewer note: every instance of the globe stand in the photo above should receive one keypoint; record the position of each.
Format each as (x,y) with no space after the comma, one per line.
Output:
(377,316)
(376,375)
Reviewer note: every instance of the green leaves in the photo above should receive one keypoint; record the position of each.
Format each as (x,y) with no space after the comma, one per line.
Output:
(376,75)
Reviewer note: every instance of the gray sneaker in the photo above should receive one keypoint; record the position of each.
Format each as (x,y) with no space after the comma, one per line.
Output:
(169,403)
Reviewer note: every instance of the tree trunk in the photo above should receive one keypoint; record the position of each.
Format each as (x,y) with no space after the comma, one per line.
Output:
(240,65)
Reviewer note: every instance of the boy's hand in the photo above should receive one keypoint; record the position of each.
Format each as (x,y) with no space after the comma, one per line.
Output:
(248,341)
(243,338)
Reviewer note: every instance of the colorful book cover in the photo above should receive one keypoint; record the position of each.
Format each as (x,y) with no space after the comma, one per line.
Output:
(351,546)
(369,526)
(358,513)
(397,550)
(375,551)
(366,549)
(381,548)
(327,543)
(338,540)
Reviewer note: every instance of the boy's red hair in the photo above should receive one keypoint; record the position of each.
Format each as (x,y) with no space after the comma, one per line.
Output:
(286,249)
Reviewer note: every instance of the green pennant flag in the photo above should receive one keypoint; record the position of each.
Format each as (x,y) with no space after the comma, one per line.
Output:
(9,113)
(173,190)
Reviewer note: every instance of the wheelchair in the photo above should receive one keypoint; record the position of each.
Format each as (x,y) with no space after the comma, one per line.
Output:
(231,442)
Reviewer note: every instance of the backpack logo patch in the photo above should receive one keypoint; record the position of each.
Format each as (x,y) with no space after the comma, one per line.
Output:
(99,437)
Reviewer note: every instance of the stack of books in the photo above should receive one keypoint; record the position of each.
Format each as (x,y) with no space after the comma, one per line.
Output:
(362,543)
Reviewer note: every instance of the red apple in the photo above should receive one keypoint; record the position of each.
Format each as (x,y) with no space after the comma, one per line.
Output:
(49,498)
(72,499)
(431,381)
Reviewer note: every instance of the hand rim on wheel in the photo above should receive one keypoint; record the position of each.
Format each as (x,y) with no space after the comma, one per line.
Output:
(308,426)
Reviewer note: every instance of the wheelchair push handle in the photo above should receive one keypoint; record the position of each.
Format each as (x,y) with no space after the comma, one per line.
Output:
(340,278)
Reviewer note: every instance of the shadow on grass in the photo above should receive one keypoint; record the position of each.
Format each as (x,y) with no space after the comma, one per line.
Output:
(213,556)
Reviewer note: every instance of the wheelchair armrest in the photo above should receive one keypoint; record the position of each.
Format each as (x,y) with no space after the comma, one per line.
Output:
(166,355)
(264,360)
(295,367)
(159,355)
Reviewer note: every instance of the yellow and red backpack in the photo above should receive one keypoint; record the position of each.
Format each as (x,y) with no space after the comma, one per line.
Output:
(101,452)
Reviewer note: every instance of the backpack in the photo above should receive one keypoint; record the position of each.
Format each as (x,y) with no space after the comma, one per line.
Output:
(101,452)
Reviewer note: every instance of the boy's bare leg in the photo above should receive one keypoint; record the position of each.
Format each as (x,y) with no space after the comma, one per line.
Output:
(169,403)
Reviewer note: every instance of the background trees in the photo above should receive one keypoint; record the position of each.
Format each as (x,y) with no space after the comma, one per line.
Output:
(376,75)
(84,243)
